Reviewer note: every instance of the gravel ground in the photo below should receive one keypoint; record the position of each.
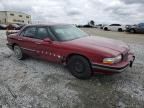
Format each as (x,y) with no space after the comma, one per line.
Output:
(34,83)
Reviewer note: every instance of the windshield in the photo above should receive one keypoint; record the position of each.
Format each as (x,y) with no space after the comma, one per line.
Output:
(67,32)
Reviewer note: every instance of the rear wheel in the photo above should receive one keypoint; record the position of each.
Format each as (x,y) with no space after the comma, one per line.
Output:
(18,52)
(106,29)
(79,67)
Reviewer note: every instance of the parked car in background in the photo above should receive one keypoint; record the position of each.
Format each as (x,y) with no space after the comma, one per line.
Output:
(114,27)
(14,28)
(3,27)
(139,28)
(8,32)
(20,26)
(100,26)
(84,55)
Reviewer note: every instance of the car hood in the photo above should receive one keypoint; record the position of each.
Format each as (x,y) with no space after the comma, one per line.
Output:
(97,42)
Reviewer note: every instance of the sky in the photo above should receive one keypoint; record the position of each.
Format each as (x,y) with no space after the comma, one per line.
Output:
(79,11)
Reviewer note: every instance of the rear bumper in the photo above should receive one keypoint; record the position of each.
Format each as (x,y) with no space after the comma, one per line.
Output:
(114,69)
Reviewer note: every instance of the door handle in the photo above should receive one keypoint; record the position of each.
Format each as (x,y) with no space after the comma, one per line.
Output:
(19,39)
(38,43)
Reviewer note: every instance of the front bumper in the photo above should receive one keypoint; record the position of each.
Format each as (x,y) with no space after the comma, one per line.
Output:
(114,69)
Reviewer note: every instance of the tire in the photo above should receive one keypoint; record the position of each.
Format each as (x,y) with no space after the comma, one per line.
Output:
(79,67)
(120,30)
(132,31)
(106,29)
(18,52)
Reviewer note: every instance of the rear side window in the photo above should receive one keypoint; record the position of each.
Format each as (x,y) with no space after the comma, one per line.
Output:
(42,33)
(29,32)
(112,25)
(115,25)
(37,33)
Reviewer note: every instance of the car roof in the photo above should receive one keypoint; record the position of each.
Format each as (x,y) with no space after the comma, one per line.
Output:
(49,24)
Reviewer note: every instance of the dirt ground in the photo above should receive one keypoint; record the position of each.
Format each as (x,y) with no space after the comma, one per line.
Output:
(33,83)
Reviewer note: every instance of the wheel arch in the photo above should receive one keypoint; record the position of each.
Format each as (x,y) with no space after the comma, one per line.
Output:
(133,29)
(76,54)
(120,29)
(14,45)
(106,28)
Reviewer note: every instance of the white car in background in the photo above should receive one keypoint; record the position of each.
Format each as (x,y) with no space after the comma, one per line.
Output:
(100,26)
(115,27)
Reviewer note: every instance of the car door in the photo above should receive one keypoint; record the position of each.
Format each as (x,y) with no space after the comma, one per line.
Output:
(111,27)
(26,40)
(115,27)
(48,48)
(118,26)
(44,48)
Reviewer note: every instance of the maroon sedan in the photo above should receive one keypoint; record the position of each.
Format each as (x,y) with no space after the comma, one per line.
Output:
(84,55)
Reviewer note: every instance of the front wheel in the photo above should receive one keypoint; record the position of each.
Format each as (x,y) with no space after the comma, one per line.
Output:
(106,29)
(132,31)
(79,67)
(18,52)
(120,30)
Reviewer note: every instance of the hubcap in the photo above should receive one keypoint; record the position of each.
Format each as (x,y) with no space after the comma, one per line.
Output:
(132,31)
(78,67)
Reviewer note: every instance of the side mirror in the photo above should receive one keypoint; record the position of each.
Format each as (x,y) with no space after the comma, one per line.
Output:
(47,40)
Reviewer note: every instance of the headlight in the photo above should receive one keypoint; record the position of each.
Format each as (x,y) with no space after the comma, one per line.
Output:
(112,60)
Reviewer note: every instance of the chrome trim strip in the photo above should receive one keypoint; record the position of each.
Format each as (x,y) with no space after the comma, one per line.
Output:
(29,49)
(109,68)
